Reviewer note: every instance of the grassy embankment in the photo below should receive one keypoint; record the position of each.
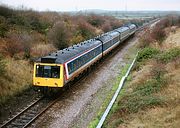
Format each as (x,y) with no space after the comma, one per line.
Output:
(150,96)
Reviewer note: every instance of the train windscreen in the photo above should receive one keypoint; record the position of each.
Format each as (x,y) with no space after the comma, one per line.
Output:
(47,71)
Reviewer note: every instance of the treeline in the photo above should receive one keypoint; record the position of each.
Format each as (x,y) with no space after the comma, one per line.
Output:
(22,30)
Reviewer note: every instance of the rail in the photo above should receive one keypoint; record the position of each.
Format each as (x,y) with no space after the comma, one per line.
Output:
(30,113)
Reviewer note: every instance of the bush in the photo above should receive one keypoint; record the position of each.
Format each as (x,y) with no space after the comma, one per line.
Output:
(3,27)
(96,20)
(170,55)
(13,45)
(5,11)
(59,35)
(146,39)
(158,34)
(2,66)
(106,26)
(146,53)
(37,24)
(42,50)
(18,43)
(85,29)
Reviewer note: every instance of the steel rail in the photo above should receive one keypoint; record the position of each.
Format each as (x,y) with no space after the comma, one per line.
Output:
(20,113)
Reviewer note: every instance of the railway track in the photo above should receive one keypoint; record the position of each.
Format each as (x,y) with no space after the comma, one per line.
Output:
(30,113)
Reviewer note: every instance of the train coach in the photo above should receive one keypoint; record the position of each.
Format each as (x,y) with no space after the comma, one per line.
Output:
(59,68)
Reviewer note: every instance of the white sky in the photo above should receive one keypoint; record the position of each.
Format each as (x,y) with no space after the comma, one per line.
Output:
(76,5)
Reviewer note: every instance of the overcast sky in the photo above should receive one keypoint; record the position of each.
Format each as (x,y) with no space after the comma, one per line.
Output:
(76,5)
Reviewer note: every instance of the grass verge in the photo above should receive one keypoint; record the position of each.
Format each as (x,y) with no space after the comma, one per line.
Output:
(96,120)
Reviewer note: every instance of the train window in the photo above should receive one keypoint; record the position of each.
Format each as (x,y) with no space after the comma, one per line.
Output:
(39,71)
(76,64)
(48,71)
(55,71)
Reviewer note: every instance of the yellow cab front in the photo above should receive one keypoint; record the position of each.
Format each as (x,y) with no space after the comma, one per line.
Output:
(49,75)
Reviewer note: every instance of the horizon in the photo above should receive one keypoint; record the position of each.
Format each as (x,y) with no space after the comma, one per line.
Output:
(77,5)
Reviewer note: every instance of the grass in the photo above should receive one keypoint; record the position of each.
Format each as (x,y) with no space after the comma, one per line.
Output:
(95,121)
(16,79)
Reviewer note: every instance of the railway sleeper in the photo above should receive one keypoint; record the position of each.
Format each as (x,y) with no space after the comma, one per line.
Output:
(31,115)
(26,118)
(32,112)
(16,124)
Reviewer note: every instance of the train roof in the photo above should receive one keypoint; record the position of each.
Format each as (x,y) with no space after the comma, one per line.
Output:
(66,54)
(107,36)
(114,34)
(132,26)
(122,29)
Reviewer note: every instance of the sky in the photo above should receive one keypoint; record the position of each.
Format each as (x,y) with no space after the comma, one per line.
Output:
(77,5)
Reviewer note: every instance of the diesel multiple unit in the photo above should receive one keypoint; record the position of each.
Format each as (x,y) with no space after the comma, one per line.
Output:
(59,68)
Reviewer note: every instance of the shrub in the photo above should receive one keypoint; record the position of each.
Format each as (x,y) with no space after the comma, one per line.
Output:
(13,45)
(38,25)
(5,11)
(18,43)
(96,20)
(26,42)
(59,35)
(85,29)
(145,39)
(164,23)
(2,66)
(42,49)
(3,27)
(170,55)
(146,53)
(147,88)
(106,26)
(76,39)
(115,23)
(158,34)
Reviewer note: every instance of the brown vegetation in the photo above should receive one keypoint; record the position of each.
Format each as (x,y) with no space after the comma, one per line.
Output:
(16,78)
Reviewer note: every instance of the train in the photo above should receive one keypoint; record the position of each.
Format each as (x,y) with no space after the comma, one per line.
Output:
(61,67)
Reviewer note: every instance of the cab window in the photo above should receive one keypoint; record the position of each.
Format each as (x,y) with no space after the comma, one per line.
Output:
(47,71)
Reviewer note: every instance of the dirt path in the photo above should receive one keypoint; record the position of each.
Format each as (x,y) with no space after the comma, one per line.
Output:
(80,103)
